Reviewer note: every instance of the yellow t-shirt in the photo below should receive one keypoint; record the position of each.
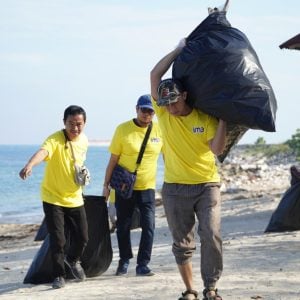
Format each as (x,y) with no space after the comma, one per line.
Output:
(187,156)
(126,143)
(58,186)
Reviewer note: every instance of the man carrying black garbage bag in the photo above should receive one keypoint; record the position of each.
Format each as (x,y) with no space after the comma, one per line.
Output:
(61,194)
(191,181)
(136,145)
(216,79)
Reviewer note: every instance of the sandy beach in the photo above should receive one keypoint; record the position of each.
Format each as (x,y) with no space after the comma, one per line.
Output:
(256,265)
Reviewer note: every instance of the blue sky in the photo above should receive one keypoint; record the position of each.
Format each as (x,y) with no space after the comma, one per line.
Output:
(98,54)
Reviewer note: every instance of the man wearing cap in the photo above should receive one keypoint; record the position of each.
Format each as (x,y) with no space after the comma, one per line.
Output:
(191,181)
(125,147)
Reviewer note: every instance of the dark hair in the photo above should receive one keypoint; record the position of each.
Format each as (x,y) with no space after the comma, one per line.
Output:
(73,110)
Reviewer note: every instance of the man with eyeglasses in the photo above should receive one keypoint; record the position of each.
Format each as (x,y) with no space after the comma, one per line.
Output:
(124,148)
(62,197)
(191,181)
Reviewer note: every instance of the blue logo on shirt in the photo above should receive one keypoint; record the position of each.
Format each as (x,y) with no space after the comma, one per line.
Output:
(198,129)
(155,140)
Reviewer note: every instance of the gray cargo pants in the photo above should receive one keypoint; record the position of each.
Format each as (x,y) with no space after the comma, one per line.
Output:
(182,202)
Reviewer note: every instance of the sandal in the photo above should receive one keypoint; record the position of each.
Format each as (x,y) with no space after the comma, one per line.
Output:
(211,294)
(189,295)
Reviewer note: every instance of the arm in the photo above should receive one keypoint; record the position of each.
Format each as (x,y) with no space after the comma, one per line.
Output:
(37,158)
(162,67)
(217,144)
(114,159)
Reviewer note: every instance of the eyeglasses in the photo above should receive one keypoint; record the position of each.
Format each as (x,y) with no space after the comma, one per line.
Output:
(145,110)
(74,124)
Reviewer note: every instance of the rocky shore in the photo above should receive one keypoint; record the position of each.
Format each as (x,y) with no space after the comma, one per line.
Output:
(251,176)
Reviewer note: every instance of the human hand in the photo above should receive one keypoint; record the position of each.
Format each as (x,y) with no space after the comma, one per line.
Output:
(106,192)
(222,122)
(25,172)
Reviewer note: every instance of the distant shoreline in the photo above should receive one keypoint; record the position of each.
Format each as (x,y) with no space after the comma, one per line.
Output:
(92,142)
(101,143)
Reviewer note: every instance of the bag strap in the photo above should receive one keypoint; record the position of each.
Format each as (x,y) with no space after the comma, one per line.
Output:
(143,146)
(70,143)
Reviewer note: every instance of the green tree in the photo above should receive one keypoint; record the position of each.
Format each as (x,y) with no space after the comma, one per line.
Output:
(294,143)
(260,141)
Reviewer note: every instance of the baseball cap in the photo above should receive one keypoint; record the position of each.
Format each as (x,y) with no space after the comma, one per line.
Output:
(145,102)
(168,92)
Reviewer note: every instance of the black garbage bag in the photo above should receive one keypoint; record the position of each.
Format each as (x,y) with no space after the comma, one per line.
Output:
(223,76)
(42,232)
(41,270)
(97,255)
(286,217)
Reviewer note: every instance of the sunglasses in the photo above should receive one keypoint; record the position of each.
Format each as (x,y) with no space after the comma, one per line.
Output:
(145,110)
(169,96)
(173,96)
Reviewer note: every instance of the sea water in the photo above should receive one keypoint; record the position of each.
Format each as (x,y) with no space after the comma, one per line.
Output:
(20,200)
